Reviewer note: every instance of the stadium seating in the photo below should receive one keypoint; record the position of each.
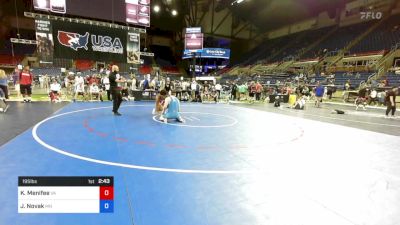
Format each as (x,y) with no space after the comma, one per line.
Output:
(52,71)
(144,69)
(170,70)
(393,79)
(7,60)
(382,38)
(300,42)
(340,39)
(292,45)
(81,64)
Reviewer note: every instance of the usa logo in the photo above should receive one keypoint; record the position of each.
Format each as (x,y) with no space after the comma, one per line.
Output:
(73,40)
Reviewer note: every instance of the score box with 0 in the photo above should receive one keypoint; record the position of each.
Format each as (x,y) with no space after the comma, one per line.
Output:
(65,194)
(106,199)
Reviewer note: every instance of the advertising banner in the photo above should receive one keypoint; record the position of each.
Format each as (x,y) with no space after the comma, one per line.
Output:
(192,30)
(81,41)
(133,48)
(55,6)
(44,38)
(138,12)
(193,41)
(220,53)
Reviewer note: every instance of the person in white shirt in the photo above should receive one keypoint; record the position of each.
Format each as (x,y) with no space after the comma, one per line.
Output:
(218,89)
(133,83)
(153,84)
(95,92)
(79,86)
(41,81)
(373,97)
(106,83)
(185,95)
(66,82)
(55,91)
(300,103)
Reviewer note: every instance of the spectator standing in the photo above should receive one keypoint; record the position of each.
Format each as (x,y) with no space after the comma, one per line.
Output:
(347,85)
(146,82)
(133,83)
(15,76)
(381,97)
(153,84)
(66,84)
(373,96)
(252,90)
(259,89)
(79,86)
(168,85)
(41,81)
(4,83)
(242,92)
(178,90)
(25,81)
(391,101)
(47,82)
(218,89)
(193,89)
(319,93)
(234,89)
(206,91)
(106,83)
(197,93)
(362,98)
(3,91)
(162,84)
(185,87)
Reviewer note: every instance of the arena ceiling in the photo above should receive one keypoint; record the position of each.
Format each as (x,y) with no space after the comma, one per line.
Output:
(272,14)
(264,14)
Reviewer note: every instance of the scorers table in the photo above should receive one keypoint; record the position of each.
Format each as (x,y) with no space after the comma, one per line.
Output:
(65,194)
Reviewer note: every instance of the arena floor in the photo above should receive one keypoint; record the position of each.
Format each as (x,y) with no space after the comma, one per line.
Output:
(227,164)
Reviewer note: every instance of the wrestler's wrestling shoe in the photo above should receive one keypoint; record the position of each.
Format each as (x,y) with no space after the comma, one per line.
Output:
(180,119)
(163,119)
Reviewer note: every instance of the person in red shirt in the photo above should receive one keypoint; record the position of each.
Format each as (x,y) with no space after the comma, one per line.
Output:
(25,82)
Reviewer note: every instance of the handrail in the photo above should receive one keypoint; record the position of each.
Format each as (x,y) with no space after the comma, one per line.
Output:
(371,76)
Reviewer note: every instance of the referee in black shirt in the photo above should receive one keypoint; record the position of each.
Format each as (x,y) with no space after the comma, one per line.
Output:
(115,88)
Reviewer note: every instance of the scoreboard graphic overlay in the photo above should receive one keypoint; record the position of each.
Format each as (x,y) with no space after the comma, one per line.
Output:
(65,194)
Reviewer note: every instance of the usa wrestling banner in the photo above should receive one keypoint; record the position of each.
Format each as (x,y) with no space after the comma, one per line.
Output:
(81,41)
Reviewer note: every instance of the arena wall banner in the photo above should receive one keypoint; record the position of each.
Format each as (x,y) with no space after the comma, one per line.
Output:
(193,41)
(44,38)
(83,41)
(219,53)
(133,48)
